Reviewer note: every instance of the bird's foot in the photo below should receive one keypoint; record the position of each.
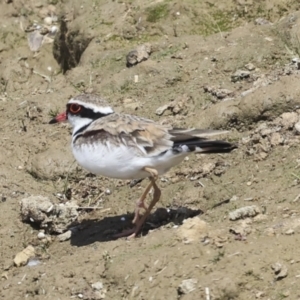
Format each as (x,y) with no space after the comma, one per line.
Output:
(128,233)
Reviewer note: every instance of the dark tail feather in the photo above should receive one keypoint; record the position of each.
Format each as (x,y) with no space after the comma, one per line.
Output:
(206,146)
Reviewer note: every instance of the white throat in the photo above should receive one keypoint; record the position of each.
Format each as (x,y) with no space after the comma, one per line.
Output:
(78,122)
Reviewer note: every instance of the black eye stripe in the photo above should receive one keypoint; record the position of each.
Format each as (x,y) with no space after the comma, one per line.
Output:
(86,112)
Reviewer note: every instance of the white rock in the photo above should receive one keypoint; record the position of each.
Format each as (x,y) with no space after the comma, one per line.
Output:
(297,127)
(244,212)
(162,109)
(48,21)
(289,119)
(65,236)
(41,235)
(97,285)
(187,286)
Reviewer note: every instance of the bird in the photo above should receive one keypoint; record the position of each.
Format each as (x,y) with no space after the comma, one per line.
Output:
(129,147)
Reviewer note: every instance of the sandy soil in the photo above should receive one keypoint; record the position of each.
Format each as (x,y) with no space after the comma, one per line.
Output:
(232,65)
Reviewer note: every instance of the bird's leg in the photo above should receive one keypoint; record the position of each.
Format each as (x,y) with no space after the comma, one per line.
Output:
(139,221)
(156,195)
(141,204)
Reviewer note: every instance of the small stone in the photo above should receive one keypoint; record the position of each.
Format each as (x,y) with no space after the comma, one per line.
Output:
(138,55)
(4,275)
(80,296)
(48,21)
(297,127)
(65,236)
(261,21)
(239,75)
(22,257)
(250,67)
(280,271)
(162,109)
(289,232)
(187,286)
(259,294)
(193,229)
(97,285)
(276,139)
(289,119)
(244,212)
(41,235)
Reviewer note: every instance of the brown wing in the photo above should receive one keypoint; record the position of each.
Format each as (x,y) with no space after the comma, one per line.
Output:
(142,134)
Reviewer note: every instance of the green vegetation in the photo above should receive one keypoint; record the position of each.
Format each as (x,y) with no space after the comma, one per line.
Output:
(157,12)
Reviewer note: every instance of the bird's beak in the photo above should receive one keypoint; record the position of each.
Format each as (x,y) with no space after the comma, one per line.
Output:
(59,118)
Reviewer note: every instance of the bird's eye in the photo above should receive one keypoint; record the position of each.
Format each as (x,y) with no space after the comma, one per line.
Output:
(75,108)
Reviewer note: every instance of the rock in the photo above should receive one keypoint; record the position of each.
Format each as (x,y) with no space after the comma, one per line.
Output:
(56,218)
(48,21)
(218,92)
(289,119)
(297,127)
(276,139)
(244,212)
(179,105)
(162,109)
(35,209)
(242,229)
(289,232)
(207,168)
(187,286)
(99,291)
(240,75)
(22,257)
(97,285)
(192,229)
(65,236)
(41,235)
(138,55)
(250,67)
(280,271)
(262,21)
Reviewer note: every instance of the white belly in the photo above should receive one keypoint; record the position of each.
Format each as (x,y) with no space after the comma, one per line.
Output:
(122,162)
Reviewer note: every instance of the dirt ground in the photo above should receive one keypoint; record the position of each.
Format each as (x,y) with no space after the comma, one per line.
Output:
(226,65)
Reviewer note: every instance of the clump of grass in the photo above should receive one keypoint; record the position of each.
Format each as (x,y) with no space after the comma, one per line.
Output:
(157,12)
(53,112)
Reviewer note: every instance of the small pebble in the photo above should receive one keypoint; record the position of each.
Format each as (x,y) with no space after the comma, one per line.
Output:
(48,20)
(97,285)
(289,232)
(41,235)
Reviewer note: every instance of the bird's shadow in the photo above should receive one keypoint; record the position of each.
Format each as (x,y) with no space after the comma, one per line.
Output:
(89,231)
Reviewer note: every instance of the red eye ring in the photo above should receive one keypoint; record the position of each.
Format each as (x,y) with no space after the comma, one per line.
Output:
(75,108)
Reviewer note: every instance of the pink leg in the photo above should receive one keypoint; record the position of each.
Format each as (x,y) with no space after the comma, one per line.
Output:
(139,221)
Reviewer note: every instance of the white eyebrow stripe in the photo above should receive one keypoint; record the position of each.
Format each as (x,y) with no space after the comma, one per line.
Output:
(97,109)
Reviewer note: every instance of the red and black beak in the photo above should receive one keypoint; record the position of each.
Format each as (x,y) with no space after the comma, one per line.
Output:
(59,118)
